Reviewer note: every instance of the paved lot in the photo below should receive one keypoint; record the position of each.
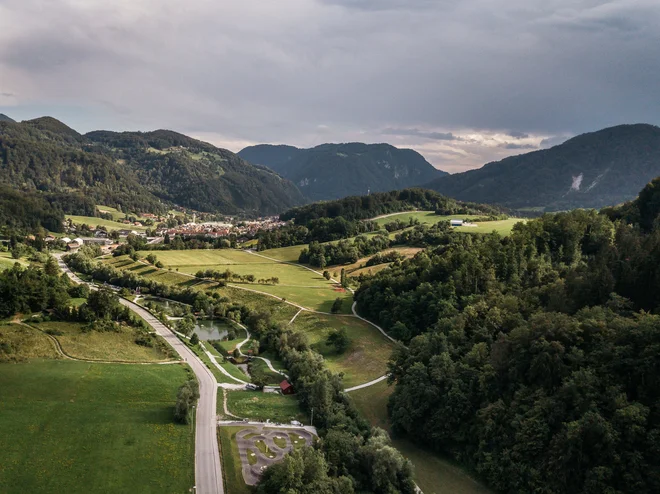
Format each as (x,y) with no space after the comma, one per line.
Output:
(247,448)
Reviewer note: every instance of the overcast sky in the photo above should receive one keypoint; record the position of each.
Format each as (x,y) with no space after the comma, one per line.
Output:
(463,82)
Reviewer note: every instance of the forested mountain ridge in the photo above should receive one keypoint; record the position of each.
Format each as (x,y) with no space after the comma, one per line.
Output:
(146,172)
(534,359)
(332,171)
(5,118)
(592,170)
(45,155)
(196,174)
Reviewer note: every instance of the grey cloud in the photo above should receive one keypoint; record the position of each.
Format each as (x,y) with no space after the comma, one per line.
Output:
(513,145)
(376,5)
(274,74)
(438,136)
(518,135)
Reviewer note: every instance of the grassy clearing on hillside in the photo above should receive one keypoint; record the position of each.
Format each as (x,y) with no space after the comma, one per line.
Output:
(107,345)
(372,403)
(434,474)
(73,427)
(25,343)
(7,261)
(288,254)
(425,217)
(110,225)
(360,265)
(116,214)
(438,475)
(263,406)
(502,227)
(231,460)
(366,357)
(296,284)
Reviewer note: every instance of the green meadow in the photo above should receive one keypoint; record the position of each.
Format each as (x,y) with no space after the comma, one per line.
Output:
(367,355)
(75,427)
(110,225)
(296,283)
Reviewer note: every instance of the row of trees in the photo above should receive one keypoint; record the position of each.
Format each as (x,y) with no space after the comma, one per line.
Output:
(533,358)
(342,252)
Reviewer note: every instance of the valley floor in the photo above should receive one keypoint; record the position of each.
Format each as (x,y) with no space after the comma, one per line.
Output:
(76,427)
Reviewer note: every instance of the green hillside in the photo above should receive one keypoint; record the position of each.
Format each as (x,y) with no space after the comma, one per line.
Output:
(141,172)
(592,170)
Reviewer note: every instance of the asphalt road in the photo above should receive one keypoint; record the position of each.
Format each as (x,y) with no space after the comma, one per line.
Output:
(208,469)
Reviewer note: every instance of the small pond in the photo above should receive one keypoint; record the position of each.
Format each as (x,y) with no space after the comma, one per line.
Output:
(211,329)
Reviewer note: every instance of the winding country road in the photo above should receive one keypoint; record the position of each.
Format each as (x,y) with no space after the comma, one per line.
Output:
(208,469)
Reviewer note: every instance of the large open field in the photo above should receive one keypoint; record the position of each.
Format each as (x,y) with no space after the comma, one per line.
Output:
(110,225)
(107,345)
(434,474)
(296,284)
(74,427)
(366,357)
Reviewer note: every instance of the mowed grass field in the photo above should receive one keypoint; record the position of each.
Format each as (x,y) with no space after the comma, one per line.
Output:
(296,284)
(434,473)
(366,357)
(110,225)
(95,345)
(231,460)
(74,427)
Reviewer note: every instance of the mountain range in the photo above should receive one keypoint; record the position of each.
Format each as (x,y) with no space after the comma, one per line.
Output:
(332,171)
(592,170)
(140,171)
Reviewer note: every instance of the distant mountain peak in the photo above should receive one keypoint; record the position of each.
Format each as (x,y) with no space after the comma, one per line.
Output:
(5,118)
(592,170)
(53,125)
(335,170)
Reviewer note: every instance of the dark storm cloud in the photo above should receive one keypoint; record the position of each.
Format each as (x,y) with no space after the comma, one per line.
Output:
(439,75)
(438,136)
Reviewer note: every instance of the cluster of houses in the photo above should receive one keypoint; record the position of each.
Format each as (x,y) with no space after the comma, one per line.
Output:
(218,230)
(76,243)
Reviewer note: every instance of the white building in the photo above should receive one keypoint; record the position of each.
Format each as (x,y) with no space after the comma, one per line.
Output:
(456,222)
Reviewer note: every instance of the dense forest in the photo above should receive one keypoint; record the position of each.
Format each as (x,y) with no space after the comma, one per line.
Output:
(534,359)
(370,206)
(140,172)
